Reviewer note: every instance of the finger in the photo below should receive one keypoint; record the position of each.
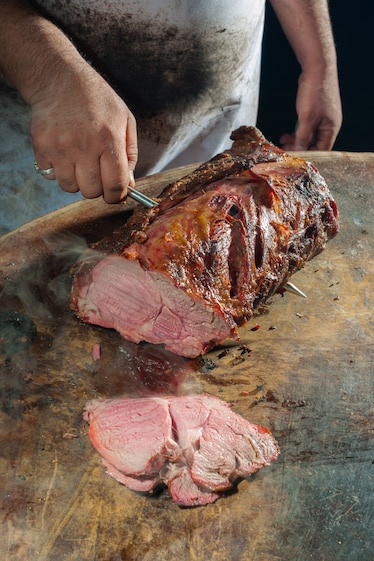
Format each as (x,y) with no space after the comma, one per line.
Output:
(46,173)
(131,148)
(304,135)
(44,167)
(324,141)
(115,176)
(131,178)
(118,165)
(65,175)
(88,178)
(302,144)
(287,141)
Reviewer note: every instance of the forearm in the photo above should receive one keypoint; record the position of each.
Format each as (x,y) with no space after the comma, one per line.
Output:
(80,127)
(306,24)
(32,49)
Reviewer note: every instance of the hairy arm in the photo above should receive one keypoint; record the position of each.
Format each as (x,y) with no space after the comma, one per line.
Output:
(307,26)
(79,125)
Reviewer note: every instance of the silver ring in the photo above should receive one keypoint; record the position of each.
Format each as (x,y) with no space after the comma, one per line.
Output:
(47,171)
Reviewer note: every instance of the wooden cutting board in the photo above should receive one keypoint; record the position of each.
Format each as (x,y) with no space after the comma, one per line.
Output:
(306,373)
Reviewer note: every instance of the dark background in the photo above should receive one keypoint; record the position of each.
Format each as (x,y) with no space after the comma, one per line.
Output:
(353,23)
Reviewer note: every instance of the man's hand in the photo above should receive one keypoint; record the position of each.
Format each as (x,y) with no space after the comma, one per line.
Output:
(319,114)
(82,129)
(307,26)
(79,126)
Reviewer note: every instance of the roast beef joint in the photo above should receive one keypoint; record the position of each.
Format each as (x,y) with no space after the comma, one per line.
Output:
(189,272)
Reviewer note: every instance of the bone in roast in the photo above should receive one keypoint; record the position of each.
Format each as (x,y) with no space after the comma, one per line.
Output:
(196,445)
(223,239)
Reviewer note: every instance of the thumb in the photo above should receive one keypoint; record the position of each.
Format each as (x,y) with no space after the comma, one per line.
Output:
(131,149)
(131,178)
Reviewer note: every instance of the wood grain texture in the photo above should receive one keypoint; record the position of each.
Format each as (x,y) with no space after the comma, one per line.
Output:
(306,373)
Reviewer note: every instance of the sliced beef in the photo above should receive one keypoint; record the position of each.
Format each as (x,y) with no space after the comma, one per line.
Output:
(133,435)
(196,445)
(189,272)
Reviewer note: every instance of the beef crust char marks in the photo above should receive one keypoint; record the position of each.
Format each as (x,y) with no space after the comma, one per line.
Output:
(222,240)
(248,148)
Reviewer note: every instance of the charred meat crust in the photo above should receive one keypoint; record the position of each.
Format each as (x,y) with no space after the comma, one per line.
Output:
(249,147)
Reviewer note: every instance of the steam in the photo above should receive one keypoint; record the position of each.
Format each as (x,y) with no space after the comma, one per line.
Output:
(44,283)
(68,250)
(41,290)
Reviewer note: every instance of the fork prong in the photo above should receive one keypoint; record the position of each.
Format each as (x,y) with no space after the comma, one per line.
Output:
(290,287)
